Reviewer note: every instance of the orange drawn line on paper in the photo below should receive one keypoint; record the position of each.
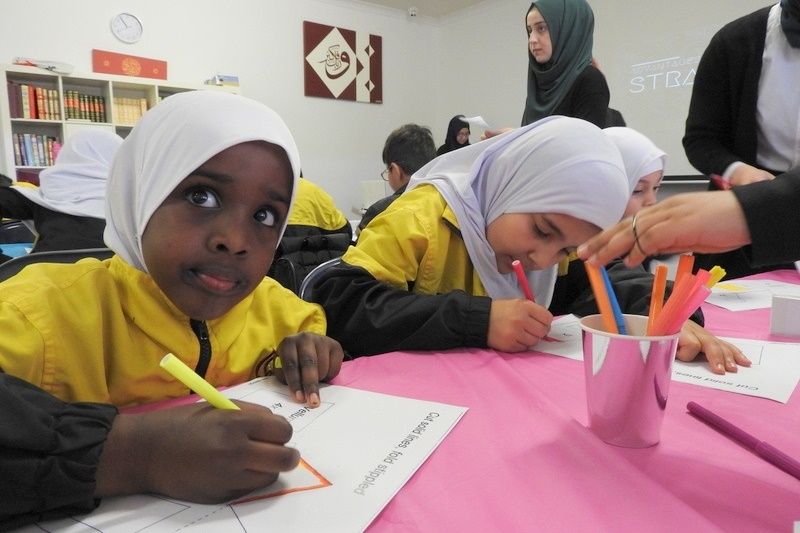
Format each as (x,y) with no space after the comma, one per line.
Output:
(323,482)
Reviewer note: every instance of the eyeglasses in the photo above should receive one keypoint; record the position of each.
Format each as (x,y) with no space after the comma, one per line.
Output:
(460,134)
(385,174)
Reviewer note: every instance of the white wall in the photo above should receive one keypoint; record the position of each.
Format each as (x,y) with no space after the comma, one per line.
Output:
(261,42)
(483,66)
(484,62)
(473,62)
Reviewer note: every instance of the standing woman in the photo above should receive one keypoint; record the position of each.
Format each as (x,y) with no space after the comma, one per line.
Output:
(457,135)
(561,78)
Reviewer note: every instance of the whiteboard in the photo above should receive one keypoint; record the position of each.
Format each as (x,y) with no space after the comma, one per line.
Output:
(649,52)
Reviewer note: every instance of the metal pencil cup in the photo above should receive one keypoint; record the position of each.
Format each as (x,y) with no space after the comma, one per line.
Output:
(627,381)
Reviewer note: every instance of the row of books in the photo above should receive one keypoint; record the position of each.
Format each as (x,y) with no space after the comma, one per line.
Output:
(34,150)
(129,110)
(31,101)
(84,106)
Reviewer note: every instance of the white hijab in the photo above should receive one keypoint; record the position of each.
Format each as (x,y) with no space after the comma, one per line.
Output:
(171,141)
(76,184)
(555,165)
(640,155)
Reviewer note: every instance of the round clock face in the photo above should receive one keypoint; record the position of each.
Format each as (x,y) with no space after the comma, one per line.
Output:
(126,27)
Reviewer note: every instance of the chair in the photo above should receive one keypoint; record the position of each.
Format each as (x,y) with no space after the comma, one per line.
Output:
(15,231)
(307,286)
(14,265)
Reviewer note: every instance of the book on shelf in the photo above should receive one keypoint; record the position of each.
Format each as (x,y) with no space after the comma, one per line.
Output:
(40,144)
(52,103)
(25,98)
(31,161)
(14,106)
(32,102)
(128,111)
(35,150)
(17,152)
(84,106)
(40,111)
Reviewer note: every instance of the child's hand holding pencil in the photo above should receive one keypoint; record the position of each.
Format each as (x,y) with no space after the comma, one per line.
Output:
(526,290)
(517,324)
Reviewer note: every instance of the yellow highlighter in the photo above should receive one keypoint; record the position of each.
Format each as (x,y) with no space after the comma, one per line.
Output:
(188,377)
(717,273)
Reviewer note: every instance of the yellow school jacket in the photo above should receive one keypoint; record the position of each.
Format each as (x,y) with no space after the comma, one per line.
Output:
(97,330)
(416,246)
(409,284)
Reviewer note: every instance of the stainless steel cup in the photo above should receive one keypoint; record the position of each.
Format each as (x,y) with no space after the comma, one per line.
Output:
(627,381)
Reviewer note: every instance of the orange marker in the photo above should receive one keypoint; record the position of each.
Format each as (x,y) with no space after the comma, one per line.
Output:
(657,297)
(600,294)
(685,264)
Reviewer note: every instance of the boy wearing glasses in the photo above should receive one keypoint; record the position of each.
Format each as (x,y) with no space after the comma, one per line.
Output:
(406,150)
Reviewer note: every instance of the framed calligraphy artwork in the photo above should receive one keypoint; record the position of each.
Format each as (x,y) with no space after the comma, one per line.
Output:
(342,64)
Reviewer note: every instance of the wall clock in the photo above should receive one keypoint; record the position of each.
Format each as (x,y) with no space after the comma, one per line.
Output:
(126,27)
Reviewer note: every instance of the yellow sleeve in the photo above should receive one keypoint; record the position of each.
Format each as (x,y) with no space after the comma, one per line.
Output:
(399,243)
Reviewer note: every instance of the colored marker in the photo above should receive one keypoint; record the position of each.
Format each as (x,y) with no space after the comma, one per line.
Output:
(717,273)
(523,280)
(526,289)
(601,295)
(188,377)
(763,449)
(612,298)
(657,296)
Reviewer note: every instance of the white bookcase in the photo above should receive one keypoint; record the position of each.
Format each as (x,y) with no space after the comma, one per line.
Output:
(124,99)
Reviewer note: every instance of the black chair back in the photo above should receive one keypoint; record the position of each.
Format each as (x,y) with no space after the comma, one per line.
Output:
(15,231)
(14,265)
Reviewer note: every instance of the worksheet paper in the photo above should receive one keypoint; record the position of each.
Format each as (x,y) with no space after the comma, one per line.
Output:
(477,122)
(744,295)
(358,449)
(774,373)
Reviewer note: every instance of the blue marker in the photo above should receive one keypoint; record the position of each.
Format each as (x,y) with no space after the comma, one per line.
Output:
(614,303)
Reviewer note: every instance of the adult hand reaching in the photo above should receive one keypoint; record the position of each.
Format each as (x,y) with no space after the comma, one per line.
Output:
(705,222)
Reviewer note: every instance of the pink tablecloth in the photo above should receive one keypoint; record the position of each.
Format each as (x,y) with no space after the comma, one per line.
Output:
(522,460)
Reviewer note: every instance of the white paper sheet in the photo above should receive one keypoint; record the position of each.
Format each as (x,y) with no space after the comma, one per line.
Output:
(359,449)
(478,122)
(774,373)
(744,295)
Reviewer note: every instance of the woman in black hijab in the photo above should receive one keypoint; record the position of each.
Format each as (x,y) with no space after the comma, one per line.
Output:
(457,135)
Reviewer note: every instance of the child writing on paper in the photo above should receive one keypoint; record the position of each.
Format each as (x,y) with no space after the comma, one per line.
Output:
(435,272)
(198,198)
(644,166)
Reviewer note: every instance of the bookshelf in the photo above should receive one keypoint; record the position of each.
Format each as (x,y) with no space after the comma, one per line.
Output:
(40,109)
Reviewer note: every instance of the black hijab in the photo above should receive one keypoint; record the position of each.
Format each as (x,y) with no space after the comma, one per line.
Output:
(451,141)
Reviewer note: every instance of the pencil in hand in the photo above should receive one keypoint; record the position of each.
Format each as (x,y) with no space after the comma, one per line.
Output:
(526,289)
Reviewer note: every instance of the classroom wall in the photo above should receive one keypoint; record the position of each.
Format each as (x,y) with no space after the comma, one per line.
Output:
(261,42)
(473,63)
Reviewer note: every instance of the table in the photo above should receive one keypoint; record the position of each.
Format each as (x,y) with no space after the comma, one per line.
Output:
(521,459)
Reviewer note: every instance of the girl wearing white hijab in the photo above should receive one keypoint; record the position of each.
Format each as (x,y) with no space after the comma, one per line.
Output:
(198,198)
(434,271)
(644,166)
(432,267)
(68,207)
